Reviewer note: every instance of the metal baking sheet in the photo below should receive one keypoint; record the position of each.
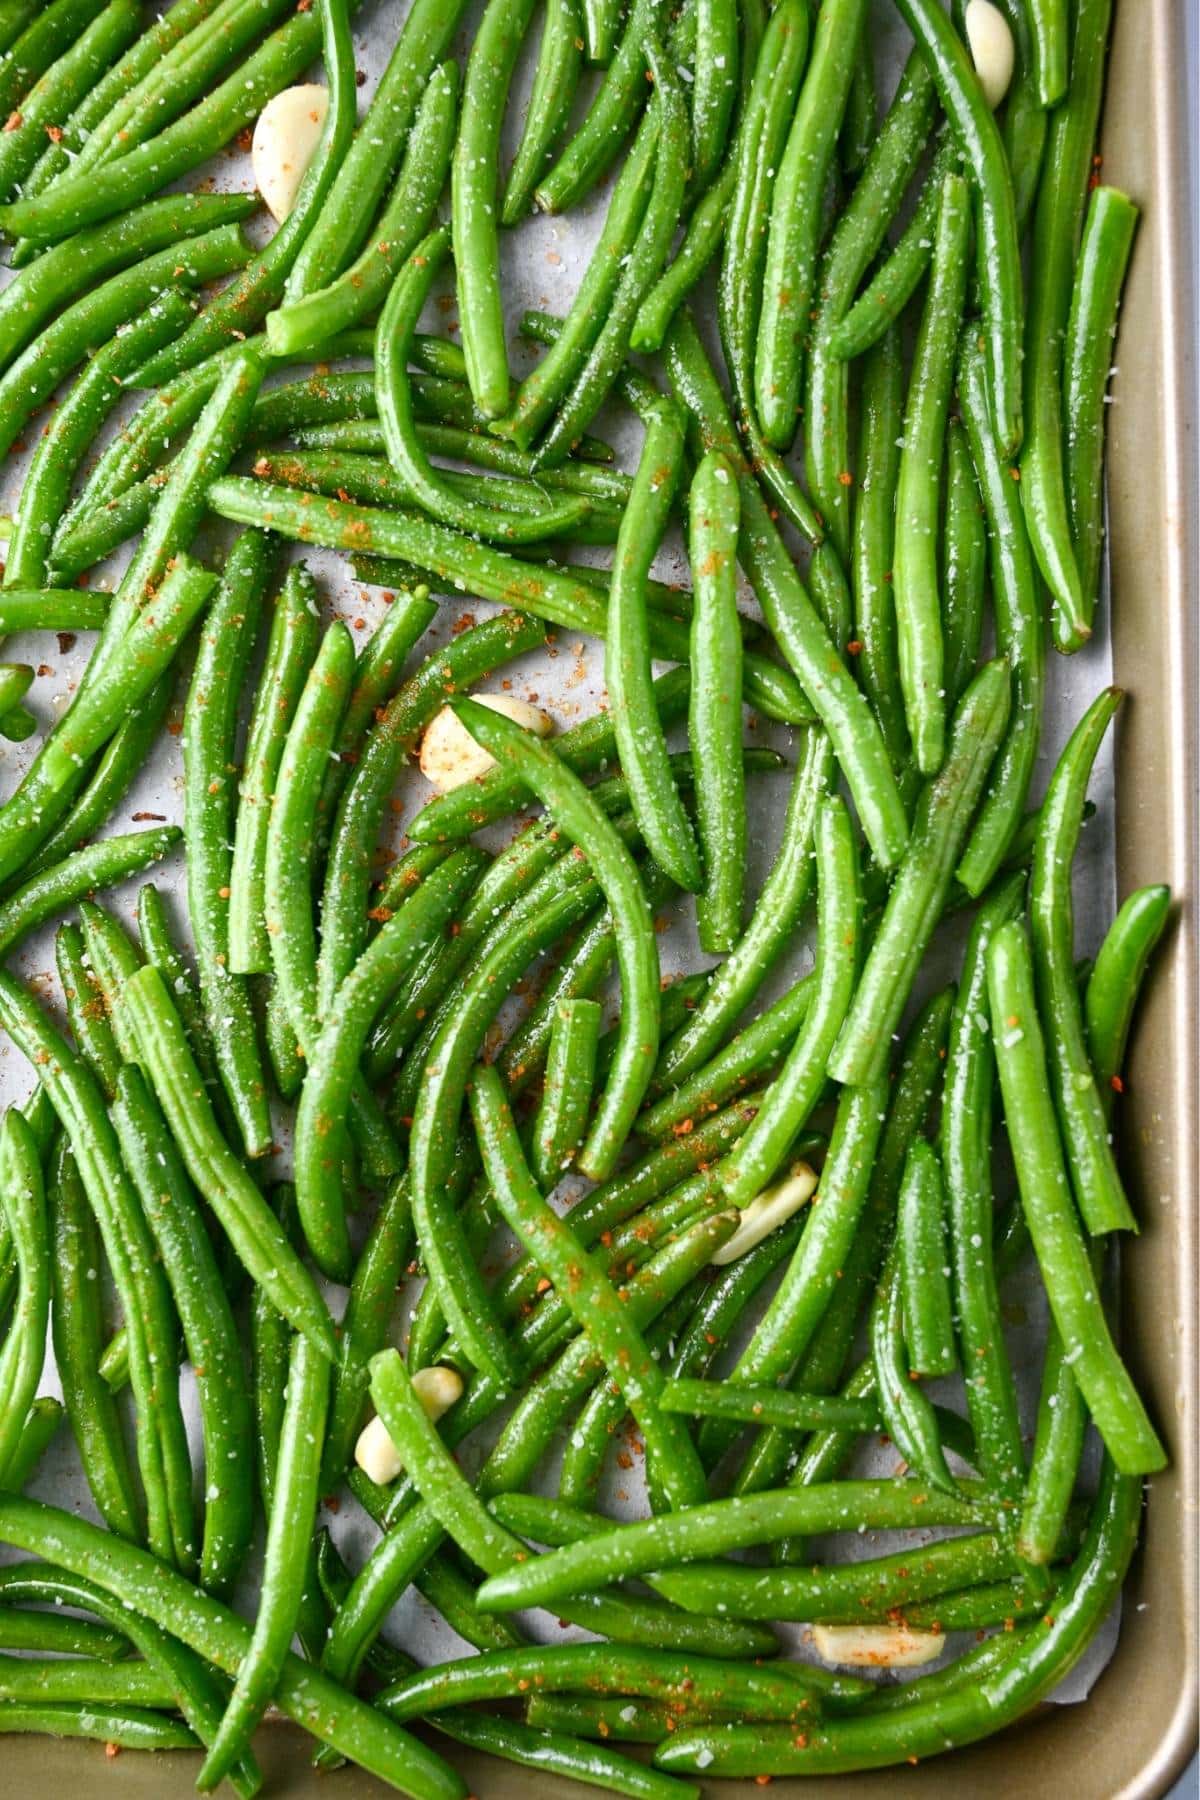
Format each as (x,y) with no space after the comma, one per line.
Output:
(1147,797)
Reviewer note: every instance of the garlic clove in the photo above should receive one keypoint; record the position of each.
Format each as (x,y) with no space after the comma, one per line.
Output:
(286,136)
(437,1388)
(876,1646)
(766,1211)
(990,41)
(449,755)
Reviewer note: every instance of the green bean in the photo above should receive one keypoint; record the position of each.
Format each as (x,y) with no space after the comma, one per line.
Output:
(754,1405)
(714,712)
(1097,1185)
(32,377)
(637,954)
(60,89)
(602,1414)
(791,616)
(714,86)
(50,609)
(434,493)
(474,199)
(562,1755)
(1020,631)
(924,1265)
(1087,364)
(206,1626)
(793,237)
(602,24)
(308,322)
(843,1593)
(880,304)
(1048,20)
(570,1074)
(881,405)
(383,1659)
(209,727)
(1057,223)
(997,249)
(555,80)
(392,129)
(580,1281)
(604,1668)
(103,864)
(289,1536)
(857,238)
(537,398)
(245,302)
(794,1092)
(646,259)
(365,1326)
(214,1350)
(87,1014)
(24,1348)
(361,809)
(291,647)
(860,123)
(641,744)
(71,433)
(15,15)
(127,1727)
(77,1326)
(1037,1150)
(52,30)
(1062,1421)
(953,1713)
(37,1434)
(161,1440)
(944,810)
(58,1634)
(333,1055)
(966,1136)
(626,1721)
(594,147)
(161,949)
(775,917)
(1116,980)
(84,1683)
(80,200)
(198,1691)
(915,579)
(715,1528)
(586,747)
(964,564)
(252,1229)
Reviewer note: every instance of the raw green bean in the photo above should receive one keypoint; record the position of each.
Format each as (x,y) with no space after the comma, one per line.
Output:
(1037,1150)
(559,1754)
(308,322)
(714,710)
(291,647)
(24,1348)
(963,565)
(924,1264)
(915,567)
(220,1636)
(966,1147)
(209,757)
(997,250)
(580,1281)
(577,814)
(251,1227)
(591,151)
(474,200)
(774,918)
(1087,364)
(1057,223)
(1016,597)
(286,1558)
(789,1100)
(77,1326)
(943,814)
(794,234)
(213,1345)
(566,1098)
(641,744)
(80,200)
(1099,1193)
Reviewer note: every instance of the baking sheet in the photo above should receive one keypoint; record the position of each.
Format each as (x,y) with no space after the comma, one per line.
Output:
(542,265)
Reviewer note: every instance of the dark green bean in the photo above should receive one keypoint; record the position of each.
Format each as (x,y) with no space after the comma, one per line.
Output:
(964,564)
(24,1348)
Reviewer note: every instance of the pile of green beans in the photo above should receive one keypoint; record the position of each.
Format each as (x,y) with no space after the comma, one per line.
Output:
(371,1031)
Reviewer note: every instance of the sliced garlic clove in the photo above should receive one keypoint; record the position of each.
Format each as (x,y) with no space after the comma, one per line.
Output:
(767,1210)
(450,756)
(286,136)
(437,1388)
(876,1646)
(990,40)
